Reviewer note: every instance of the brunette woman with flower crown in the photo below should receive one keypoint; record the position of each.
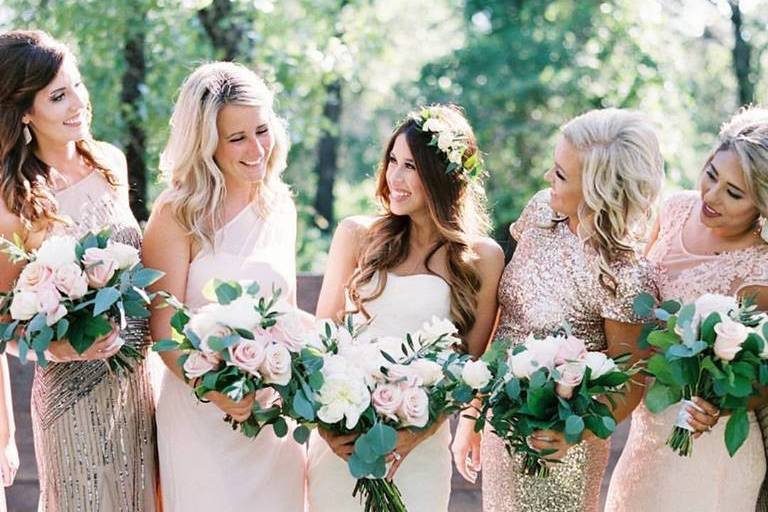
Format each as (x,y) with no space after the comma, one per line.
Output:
(713,240)
(426,255)
(576,261)
(93,430)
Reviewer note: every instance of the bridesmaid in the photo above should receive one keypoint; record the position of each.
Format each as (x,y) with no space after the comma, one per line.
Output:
(93,430)
(225,214)
(9,456)
(426,254)
(576,261)
(713,240)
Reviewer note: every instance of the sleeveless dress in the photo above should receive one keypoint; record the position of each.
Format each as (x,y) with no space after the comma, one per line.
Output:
(204,464)
(649,475)
(552,279)
(424,478)
(93,430)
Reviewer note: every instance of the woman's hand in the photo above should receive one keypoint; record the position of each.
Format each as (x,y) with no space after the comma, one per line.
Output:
(239,411)
(341,445)
(703,418)
(61,351)
(549,440)
(466,449)
(9,462)
(407,440)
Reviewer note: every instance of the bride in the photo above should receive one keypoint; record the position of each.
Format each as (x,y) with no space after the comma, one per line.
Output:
(426,255)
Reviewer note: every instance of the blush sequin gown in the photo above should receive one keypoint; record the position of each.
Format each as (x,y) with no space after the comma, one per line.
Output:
(552,279)
(649,475)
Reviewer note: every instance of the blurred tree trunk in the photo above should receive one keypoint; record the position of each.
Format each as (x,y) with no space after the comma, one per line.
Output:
(327,155)
(224,30)
(131,96)
(742,54)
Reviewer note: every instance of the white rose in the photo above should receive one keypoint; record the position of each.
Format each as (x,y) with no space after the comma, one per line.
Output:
(239,314)
(198,364)
(24,305)
(522,365)
(366,358)
(544,351)
(57,251)
(730,336)
(434,124)
(599,363)
(456,156)
(71,281)
(204,324)
(445,140)
(343,395)
(414,410)
(437,327)
(126,255)
(759,331)
(276,368)
(476,374)
(429,371)
(712,303)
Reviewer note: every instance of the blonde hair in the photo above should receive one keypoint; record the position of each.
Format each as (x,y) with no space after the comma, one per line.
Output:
(746,134)
(197,189)
(456,207)
(622,171)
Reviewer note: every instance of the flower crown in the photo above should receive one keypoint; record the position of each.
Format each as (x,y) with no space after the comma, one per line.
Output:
(452,143)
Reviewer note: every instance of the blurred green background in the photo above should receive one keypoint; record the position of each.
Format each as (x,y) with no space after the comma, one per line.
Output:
(346,70)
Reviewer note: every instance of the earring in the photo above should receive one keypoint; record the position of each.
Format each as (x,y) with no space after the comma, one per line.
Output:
(764,230)
(27,134)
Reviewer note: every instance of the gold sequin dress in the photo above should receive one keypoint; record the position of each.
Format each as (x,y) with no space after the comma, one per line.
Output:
(649,475)
(552,278)
(94,431)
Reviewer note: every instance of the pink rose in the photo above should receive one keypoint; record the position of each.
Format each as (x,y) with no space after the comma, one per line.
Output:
(49,298)
(70,280)
(276,368)
(292,329)
(99,265)
(571,348)
(571,375)
(248,355)
(198,364)
(33,276)
(387,399)
(414,411)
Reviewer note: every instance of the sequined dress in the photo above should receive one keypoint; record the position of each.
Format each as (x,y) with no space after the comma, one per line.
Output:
(551,279)
(93,430)
(649,475)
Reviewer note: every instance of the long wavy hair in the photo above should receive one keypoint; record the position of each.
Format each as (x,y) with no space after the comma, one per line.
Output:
(746,134)
(196,183)
(622,173)
(456,208)
(29,61)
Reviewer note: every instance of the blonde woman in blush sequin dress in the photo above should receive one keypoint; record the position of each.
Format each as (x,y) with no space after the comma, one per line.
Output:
(225,214)
(708,241)
(93,430)
(606,176)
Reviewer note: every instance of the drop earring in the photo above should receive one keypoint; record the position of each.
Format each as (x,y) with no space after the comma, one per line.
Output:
(27,134)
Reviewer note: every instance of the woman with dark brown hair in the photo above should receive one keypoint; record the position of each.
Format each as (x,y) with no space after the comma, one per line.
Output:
(93,430)
(426,255)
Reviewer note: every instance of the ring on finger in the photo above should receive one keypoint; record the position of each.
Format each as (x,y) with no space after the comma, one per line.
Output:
(397,456)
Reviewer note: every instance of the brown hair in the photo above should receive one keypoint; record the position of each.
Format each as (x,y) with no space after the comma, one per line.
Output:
(29,61)
(456,207)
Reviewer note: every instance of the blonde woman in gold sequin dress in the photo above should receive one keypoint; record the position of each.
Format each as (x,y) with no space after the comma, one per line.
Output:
(93,430)
(225,214)
(575,262)
(707,241)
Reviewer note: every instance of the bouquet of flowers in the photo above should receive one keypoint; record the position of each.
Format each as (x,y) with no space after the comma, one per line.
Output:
(75,290)
(553,383)
(350,384)
(241,343)
(713,348)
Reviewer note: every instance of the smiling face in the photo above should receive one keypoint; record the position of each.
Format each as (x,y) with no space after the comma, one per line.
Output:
(565,179)
(406,190)
(245,142)
(725,204)
(59,113)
